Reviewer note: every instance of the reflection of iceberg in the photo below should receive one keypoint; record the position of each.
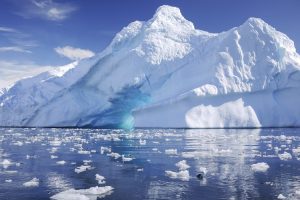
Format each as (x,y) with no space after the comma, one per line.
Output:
(166,190)
(225,154)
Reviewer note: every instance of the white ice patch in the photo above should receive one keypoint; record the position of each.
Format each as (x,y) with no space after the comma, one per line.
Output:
(114,155)
(84,194)
(182,165)
(6,163)
(83,168)
(100,179)
(280,196)
(105,150)
(285,156)
(83,152)
(35,182)
(171,151)
(260,167)
(126,159)
(181,175)
(61,162)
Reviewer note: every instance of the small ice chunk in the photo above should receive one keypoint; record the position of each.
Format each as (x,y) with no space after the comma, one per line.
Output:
(55,142)
(282,137)
(182,165)
(203,170)
(260,167)
(6,163)
(35,182)
(126,159)
(114,155)
(280,196)
(181,175)
(84,194)
(8,181)
(53,157)
(100,179)
(285,156)
(61,162)
(171,151)
(83,168)
(18,143)
(143,142)
(105,150)
(83,152)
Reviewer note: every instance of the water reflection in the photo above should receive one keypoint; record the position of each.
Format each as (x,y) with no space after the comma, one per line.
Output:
(134,163)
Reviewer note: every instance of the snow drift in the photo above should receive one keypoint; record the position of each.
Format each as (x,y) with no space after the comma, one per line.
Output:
(165,73)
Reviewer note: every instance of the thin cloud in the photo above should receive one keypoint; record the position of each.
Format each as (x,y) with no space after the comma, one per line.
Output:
(7,30)
(74,53)
(14,49)
(16,41)
(46,9)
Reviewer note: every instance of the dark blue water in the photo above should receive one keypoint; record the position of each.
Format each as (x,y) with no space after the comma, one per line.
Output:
(223,157)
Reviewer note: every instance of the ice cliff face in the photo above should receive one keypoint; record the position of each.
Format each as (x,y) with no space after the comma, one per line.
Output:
(166,73)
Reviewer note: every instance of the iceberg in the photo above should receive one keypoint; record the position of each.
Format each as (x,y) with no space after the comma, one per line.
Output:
(166,73)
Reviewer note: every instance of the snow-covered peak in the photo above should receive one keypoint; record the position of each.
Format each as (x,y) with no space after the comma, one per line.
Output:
(170,19)
(263,29)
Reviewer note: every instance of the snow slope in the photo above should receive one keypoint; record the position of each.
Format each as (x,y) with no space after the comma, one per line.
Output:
(165,73)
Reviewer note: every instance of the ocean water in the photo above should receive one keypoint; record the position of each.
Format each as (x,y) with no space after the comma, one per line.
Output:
(149,164)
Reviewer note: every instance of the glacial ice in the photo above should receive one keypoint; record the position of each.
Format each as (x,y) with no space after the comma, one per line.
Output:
(165,73)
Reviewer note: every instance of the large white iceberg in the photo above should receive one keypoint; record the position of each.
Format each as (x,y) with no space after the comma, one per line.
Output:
(165,73)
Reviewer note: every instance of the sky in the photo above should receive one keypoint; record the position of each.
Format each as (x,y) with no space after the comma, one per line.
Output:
(37,34)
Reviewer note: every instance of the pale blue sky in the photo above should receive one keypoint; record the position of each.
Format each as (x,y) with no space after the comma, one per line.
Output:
(31,31)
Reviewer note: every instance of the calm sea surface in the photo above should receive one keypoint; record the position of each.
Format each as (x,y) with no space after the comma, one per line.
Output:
(149,164)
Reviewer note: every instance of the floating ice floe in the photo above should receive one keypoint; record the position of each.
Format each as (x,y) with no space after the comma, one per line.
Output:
(6,163)
(142,142)
(18,143)
(55,142)
(280,196)
(285,156)
(35,182)
(105,150)
(83,168)
(61,162)
(203,170)
(100,179)
(182,165)
(8,181)
(84,194)
(53,157)
(171,151)
(83,152)
(114,155)
(181,175)
(260,167)
(126,159)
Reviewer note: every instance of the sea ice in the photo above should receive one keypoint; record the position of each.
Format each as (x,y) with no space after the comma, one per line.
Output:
(171,151)
(100,179)
(61,162)
(260,167)
(285,156)
(83,168)
(84,194)
(182,165)
(181,175)
(35,182)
